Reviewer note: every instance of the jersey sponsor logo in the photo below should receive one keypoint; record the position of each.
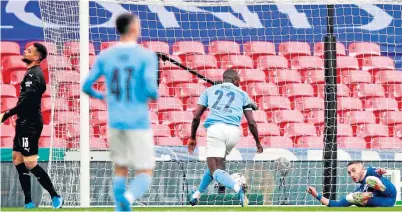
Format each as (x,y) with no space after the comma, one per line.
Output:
(28,84)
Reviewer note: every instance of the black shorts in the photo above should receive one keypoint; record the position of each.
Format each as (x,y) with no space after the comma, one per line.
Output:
(26,139)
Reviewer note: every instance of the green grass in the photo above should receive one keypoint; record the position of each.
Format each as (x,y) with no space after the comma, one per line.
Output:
(217,208)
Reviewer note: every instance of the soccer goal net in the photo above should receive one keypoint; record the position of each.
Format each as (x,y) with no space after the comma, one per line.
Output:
(278,49)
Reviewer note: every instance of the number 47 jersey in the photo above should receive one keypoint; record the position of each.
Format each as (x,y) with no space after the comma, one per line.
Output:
(130,73)
(226,103)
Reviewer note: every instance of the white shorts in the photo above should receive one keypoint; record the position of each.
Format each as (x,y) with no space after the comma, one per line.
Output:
(132,148)
(221,138)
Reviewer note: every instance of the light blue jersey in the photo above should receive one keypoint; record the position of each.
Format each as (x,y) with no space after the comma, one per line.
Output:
(130,73)
(225,102)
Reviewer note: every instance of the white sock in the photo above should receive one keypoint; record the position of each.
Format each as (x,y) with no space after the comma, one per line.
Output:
(236,188)
(130,197)
(197,194)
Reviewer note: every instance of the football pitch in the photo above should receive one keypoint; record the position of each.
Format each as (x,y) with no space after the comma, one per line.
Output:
(217,208)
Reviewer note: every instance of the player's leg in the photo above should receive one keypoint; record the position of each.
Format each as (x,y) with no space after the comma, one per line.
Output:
(380,201)
(205,181)
(383,185)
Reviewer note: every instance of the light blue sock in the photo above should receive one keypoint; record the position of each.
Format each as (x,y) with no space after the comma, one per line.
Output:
(119,185)
(138,187)
(224,179)
(206,180)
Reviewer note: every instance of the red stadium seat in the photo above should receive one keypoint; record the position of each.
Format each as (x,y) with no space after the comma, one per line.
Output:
(248,76)
(173,77)
(358,117)
(310,142)
(365,91)
(98,144)
(272,62)
(354,77)
(8,103)
(390,118)
(221,48)
(379,104)
(105,45)
(259,117)
(313,77)
(295,90)
(375,64)
(51,47)
(342,90)
(305,63)
(319,49)
(395,91)
(59,105)
(165,104)
(167,65)
(344,63)
(184,48)
(97,105)
(245,142)
(293,49)
(9,48)
(283,117)
(48,91)
(315,117)
(70,91)
(7,142)
(370,131)
(53,62)
(173,118)
(183,131)
(68,77)
(260,89)
(351,143)
(10,64)
(98,121)
(46,131)
(236,62)
(7,91)
(346,104)
(200,62)
(396,131)
(164,90)
(254,49)
(156,46)
(212,74)
(297,130)
(267,129)
(386,143)
(364,49)
(272,103)
(388,77)
(73,49)
(6,131)
(304,104)
(1,78)
(16,78)
(184,91)
(190,103)
(161,130)
(168,141)
(277,142)
(285,76)
(153,117)
(344,130)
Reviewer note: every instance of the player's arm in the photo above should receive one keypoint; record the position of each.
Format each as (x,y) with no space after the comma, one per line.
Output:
(32,84)
(330,203)
(93,75)
(248,107)
(201,107)
(381,171)
(151,76)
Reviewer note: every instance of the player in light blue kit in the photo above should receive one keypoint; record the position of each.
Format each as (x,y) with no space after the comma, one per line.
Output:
(374,190)
(130,72)
(227,104)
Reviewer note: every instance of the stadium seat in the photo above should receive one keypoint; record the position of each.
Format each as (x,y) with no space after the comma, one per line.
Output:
(271,62)
(351,143)
(212,74)
(190,103)
(221,48)
(313,77)
(284,76)
(10,64)
(345,63)
(283,117)
(248,76)
(68,77)
(46,131)
(6,142)
(395,91)
(396,131)
(267,129)
(380,104)
(73,49)
(51,47)
(310,142)
(163,90)
(59,63)
(245,142)
(390,118)
(315,117)
(165,104)
(293,49)
(305,63)
(97,105)
(365,91)
(98,120)
(184,48)
(105,45)
(277,142)
(69,91)
(1,78)
(16,78)
(259,117)
(344,130)
(260,89)
(297,130)
(156,46)
(8,103)
(364,49)
(272,103)
(388,77)
(386,143)
(370,131)
(161,130)
(168,141)
(46,107)
(375,64)
(7,91)
(254,49)
(358,117)
(173,118)
(319,49)
(342,90)
(173,77)
(200,62)
(354,77)
(346,104)
(167,65)
(48,91)
(296,90)
(236,62)
(98,144)
(9,48)
(305,104)
(6,131)
(183,131)
(187,90)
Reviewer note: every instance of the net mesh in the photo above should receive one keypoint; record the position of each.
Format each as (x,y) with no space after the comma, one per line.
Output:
(278,51)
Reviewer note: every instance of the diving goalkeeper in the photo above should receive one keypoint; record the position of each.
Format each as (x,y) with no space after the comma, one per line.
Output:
(374,190)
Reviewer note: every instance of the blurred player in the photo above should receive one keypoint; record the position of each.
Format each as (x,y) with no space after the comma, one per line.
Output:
(29,126)
(227,103)
(130,72)
(374,190)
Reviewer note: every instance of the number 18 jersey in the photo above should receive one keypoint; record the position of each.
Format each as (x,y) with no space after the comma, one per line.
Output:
(130,73)
(225,102)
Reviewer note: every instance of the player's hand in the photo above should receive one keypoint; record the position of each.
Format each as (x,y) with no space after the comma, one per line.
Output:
(381,171)
(259,148)
(312,191)
(192,143)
